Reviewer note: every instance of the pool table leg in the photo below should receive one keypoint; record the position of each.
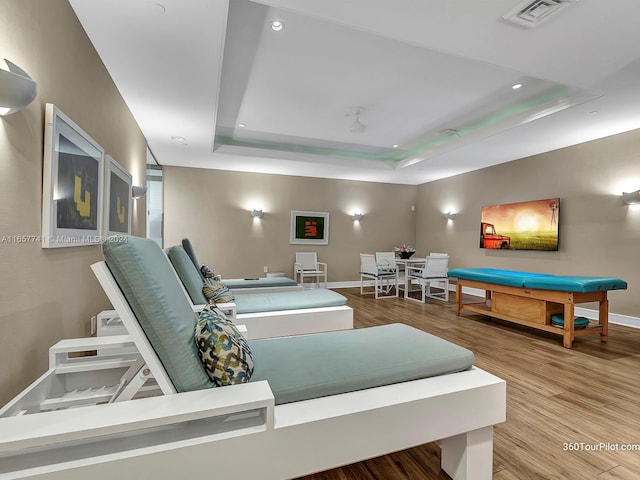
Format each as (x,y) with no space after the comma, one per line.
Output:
(567,339)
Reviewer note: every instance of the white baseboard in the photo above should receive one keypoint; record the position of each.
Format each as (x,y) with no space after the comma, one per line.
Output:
(615,318)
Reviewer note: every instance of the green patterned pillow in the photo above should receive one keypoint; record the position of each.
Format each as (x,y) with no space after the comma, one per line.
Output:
(224,352)
(216,292)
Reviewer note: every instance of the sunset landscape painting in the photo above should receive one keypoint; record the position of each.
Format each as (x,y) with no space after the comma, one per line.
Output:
(531,225)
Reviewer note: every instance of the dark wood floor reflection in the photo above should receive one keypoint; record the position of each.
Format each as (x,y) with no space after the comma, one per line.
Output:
(567,410)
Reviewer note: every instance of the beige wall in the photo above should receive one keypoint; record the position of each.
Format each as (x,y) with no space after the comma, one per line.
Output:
(46,295)
(599,235)
(211,208)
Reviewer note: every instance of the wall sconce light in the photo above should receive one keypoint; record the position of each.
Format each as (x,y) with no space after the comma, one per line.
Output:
(450,216)
(357,216)
(255,213)
(17,90)
(631,198)
(137,191)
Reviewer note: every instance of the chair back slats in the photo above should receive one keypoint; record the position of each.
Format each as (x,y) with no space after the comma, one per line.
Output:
(308,260)
(368,264)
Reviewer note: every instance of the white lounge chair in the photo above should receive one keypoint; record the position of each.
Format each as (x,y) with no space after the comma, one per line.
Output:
(245,427)
(246,285)
(272,314)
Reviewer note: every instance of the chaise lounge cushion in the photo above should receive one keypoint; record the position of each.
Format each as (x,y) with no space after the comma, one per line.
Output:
(224,352)
(189,275)
(298,299)
(239,283)
(152,290)
(309,366)
(190,251)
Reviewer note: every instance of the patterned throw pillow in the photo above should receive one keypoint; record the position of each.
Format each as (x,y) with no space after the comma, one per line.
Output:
(224,352)
(216,292)
(207,272)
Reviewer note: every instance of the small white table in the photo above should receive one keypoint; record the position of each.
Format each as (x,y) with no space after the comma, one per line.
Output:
(403,262)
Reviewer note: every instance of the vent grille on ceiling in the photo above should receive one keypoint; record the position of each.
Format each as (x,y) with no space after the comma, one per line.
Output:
(532,13)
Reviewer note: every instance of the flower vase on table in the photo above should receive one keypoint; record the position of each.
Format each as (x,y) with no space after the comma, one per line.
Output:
(405,251)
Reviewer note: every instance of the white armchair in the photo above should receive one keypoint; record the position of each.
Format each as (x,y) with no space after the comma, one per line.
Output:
(382,274)
(434,270)
(307,265)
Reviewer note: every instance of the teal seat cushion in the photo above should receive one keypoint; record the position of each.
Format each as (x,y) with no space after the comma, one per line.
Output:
(188,273)
(510,278)
(236,283)
(310,366)
(298,299)
(152,290)
(576,283)
(578,322)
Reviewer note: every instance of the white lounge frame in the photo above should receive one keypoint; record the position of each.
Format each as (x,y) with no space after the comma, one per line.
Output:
(167,436)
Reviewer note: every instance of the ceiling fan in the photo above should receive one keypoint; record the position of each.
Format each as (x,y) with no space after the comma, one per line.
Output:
(357,126)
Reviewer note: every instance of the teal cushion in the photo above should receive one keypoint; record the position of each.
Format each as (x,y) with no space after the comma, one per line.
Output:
(578,322)
(310,366)
(224,352)
(574,283)
(189,250)
(236,283)
(511,278)
(188,273)
(297,299)
(152,290)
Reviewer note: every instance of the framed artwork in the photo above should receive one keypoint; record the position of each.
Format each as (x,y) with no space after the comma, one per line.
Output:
(531,225)
(72,186)
(309,228)
(117,198)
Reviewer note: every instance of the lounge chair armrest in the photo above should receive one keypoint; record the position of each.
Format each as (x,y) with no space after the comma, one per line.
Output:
(198,308)
(243,330)
(59,353)
(229,309)
(247,407)
(322,264)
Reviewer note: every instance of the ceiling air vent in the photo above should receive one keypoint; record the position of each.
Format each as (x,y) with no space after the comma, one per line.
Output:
(532,13)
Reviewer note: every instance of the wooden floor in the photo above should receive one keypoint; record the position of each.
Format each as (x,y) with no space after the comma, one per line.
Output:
(567,409)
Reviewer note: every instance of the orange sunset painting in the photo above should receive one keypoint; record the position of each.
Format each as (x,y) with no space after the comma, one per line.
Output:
(521,226)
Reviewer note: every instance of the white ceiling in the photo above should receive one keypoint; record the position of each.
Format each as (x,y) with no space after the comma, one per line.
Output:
(433,77)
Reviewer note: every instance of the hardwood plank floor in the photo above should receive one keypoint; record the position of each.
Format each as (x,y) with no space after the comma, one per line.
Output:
(557,398)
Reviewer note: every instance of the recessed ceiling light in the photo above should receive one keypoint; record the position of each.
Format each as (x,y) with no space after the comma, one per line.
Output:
(277,25)
(242,125)
(516,86)
(177,139)
(395,145)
